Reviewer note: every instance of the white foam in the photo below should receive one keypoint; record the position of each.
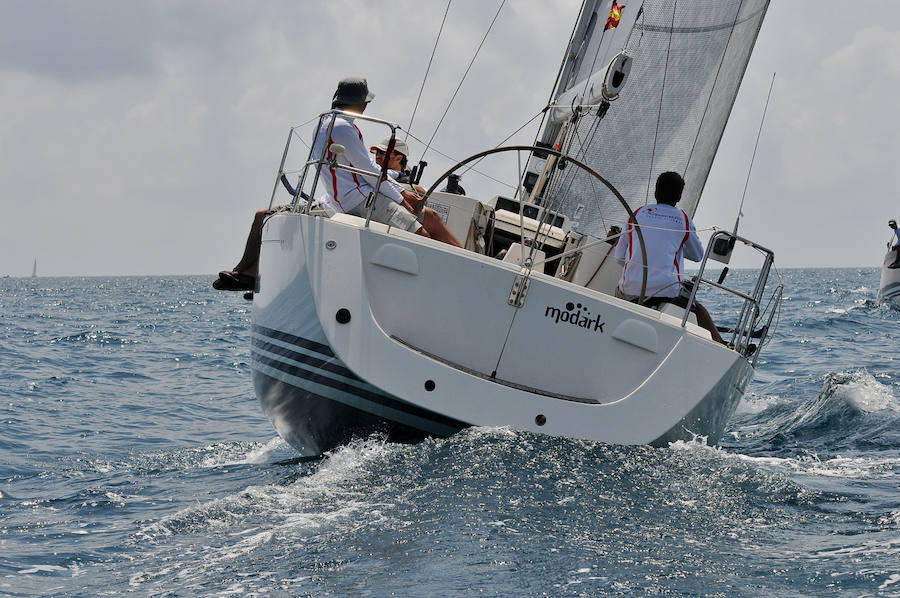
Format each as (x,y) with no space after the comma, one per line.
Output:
(894,578)
(892,519)
(311,501)
(256,456)
(871,548)
(836,467)
(116,497)
(869,395)
(752,404)
(696,444)
(42,568)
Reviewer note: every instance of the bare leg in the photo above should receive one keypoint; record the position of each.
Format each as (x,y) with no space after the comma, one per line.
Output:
(437,229)
(250,260)
(706,321)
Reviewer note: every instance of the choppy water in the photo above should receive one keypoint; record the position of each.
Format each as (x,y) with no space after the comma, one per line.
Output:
(134,459)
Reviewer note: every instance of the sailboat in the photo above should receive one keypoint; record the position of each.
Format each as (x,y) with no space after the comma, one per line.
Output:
(360,328)
(889,288)
(34,269)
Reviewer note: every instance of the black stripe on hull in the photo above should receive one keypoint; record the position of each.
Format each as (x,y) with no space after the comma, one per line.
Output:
(318,404)
(314,424)
(890,291)
(294,340)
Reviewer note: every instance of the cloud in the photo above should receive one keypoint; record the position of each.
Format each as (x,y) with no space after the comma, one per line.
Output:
(139,138)
(839,128)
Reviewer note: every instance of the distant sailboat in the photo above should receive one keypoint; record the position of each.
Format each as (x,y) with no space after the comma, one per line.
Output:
(34,269)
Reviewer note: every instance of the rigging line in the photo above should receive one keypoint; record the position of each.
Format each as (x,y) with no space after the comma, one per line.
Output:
(454,160)
(427,70)
(296,134)
(508,137)
(450,103)
(583,149)
(712,89)
(550,204)
(662,92)
(636,17)
(569,178)
(755,146)
(562,65)
(594,63)
(551,181)
(306,123)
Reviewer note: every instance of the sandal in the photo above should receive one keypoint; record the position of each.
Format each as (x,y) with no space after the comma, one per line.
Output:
(234,281)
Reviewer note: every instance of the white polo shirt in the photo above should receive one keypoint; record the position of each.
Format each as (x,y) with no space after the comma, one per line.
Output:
(348,189)
(669,236)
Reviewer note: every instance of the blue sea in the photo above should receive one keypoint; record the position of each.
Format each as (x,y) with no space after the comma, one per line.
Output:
(135,460)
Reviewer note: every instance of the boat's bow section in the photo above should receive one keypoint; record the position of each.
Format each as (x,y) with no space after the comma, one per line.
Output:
(889,289)
(434,326)
(313,400)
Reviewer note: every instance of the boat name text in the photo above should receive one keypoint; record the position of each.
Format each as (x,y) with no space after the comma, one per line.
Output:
(581,318)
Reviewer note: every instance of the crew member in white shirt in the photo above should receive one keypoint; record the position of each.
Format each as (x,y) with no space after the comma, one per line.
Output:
(669,236)
(347,191)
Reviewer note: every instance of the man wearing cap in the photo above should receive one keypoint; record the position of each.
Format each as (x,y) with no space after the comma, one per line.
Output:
(396,164)
(346,190)
(893,224)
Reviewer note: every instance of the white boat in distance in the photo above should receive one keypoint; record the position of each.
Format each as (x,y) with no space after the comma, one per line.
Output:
(889,288)
(360,328)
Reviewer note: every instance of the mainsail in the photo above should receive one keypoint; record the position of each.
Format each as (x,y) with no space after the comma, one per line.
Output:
(687,61)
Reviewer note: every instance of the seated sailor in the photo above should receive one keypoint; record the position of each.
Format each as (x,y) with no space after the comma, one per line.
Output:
(396,164)
(346,191)
(669,236)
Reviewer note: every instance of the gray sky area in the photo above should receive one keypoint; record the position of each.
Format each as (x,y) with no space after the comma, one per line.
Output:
(139,137)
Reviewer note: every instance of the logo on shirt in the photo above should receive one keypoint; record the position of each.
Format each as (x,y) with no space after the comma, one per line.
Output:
(575,314)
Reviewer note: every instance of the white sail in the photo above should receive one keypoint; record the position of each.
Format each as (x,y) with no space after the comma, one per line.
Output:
(34,269)
(687,62)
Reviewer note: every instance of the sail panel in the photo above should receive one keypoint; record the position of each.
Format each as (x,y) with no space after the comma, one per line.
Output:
(689,57)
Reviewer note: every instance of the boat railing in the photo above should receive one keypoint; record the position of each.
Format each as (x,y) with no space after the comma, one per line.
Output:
(751,313)
(317,160)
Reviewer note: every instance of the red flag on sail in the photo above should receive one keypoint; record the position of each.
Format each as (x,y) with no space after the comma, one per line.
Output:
(615,13)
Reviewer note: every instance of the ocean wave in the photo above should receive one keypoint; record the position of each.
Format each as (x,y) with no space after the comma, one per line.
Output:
(308,498)
(854,410)
(753,404)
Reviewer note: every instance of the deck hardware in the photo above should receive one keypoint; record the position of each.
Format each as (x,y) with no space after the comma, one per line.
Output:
(342,316)
(330,244)
(429,385)
(541,419)
(520,289)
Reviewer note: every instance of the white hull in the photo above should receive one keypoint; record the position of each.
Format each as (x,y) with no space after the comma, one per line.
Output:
(432,345)
(889,289)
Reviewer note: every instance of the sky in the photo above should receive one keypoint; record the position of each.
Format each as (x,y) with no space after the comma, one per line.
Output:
(138,138)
